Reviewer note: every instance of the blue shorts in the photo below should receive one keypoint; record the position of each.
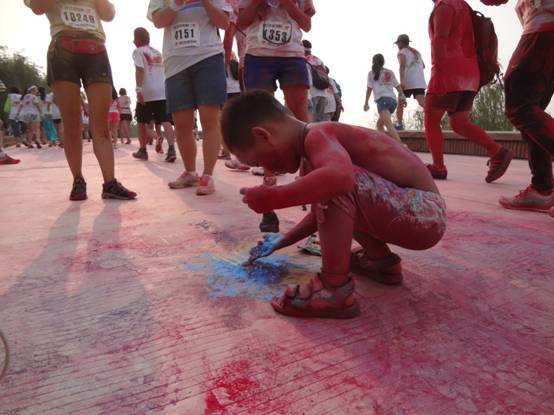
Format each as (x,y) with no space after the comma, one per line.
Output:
(263,72)
(203,83)
(386,104)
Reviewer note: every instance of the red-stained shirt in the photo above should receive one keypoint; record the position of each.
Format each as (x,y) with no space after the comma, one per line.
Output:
(536,15)
(458,69)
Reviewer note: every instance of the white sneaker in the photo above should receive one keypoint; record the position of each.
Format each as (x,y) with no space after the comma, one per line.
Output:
(206,186)
(184,180)
(529,199)
(257,171)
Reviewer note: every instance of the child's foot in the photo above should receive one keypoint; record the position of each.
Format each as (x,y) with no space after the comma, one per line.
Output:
(184,180)
(529,199)
(141,154)
(269,223)
(386,270)
(206,186)
(79,190)
(498,164)
(115,190)
(316,300)
(438,172)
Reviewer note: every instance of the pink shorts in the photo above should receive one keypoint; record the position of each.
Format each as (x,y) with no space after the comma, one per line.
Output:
(113,116)
(406,217)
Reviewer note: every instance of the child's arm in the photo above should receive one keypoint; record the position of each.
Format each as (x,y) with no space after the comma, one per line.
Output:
(367,96)
(331,176)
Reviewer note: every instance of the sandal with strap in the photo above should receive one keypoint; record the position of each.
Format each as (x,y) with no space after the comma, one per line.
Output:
(386,270)
(317,301)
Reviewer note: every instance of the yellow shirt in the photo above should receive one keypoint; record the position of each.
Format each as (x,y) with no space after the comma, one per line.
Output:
(74,16)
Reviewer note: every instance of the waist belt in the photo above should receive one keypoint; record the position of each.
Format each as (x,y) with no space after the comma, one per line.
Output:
(83,46)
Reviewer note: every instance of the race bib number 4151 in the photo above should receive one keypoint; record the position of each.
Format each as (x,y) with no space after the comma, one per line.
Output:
(185,35)
(276,33)
(79,17)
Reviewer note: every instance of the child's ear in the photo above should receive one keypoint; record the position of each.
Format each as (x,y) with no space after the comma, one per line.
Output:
(260,133)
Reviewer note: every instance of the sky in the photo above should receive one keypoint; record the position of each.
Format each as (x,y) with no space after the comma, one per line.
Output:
(344,37)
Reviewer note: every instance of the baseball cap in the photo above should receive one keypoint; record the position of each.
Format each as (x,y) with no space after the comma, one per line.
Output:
(402,39)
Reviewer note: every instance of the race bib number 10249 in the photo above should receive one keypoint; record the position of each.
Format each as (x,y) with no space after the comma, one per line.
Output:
(79,17)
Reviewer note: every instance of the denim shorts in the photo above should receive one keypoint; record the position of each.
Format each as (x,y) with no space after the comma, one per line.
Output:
(263,72)
(386,104)
(203,83)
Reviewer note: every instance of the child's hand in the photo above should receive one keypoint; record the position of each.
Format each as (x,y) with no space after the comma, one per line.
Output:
(257,198)
(266,247)
(366,107)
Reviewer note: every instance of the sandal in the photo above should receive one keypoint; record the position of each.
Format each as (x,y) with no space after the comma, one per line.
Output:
(386,270)
(315,300)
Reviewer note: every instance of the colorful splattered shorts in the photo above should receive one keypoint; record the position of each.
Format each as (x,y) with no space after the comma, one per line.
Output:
(410,218)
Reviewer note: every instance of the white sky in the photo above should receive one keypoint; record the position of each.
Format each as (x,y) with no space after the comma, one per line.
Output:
(344,37)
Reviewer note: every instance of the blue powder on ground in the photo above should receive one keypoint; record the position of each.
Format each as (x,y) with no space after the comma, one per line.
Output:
(229,277)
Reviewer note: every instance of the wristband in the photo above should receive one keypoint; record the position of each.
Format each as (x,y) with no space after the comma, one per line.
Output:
(138,89)
(174,6)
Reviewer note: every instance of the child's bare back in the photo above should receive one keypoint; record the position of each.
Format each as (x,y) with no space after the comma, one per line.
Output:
(373,151)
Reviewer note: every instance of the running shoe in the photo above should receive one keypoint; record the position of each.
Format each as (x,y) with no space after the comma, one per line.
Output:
(79,190)
(141,154)
(115,190)
(498,164)
(8,160)
(206,186)
(529,199)
(171,155)
(269,223)
(438,172)
(38,144)
(257,171)
(234,164)
(184,180)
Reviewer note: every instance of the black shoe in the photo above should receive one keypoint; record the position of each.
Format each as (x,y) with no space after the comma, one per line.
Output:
(141,154)
(171,155)
(115,190)
(79,190)
(270,223)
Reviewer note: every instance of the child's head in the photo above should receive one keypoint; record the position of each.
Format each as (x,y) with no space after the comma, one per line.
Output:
(260,131)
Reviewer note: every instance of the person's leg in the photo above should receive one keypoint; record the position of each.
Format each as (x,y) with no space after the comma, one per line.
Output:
(420,100)
(169,133)
(433,131)
(184,125)
(296,100)
(400,115)
(99,99)
(211,136)
(460,123)
(380,126)
(386,119)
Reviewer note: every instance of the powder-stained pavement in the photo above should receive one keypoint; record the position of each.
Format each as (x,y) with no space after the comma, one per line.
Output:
(141,307)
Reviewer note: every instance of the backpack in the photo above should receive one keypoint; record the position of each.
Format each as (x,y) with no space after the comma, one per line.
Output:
(320,79)
(486,46)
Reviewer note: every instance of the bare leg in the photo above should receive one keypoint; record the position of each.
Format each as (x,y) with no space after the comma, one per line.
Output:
(184,126)
(373,248)
(211,136)
(68,98)
(169,133)
(142,134)
(460,124)
(400,114)
(386,118)
(296,100)
(433,134)
(99,98)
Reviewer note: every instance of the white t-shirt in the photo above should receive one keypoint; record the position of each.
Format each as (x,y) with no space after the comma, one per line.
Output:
(29,105)
(191,38)
(536,15)
(15,100)
(45,107)
(56,115)
(124,104)
(151,61)
(384,86)
(331,106)
(315,92)
(415,78)
(115,106)
(277,34)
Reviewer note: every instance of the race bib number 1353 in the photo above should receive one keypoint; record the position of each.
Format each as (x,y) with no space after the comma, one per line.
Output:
(79,17)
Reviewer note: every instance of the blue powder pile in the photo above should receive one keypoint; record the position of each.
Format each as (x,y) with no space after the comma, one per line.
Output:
(230,277)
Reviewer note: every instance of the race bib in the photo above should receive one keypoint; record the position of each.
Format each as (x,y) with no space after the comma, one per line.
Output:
(79,17)
(275,33)
(185,35)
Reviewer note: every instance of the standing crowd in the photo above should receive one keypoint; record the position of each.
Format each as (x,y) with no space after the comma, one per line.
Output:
(362,185)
